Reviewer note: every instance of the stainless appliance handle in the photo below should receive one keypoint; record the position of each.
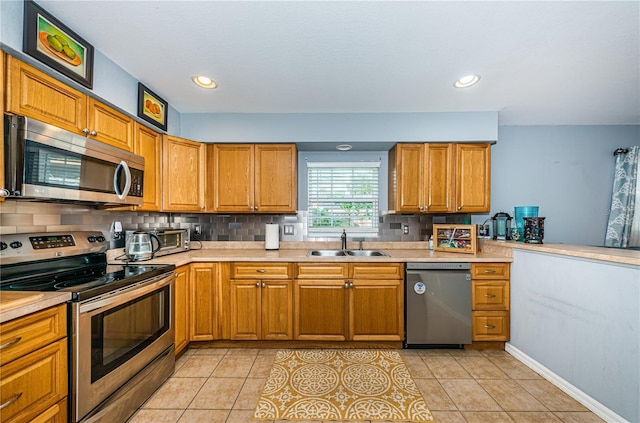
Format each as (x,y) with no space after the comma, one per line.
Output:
(127,184)
(131,292)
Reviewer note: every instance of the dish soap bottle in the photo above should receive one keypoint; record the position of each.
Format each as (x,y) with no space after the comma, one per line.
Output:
(431,242)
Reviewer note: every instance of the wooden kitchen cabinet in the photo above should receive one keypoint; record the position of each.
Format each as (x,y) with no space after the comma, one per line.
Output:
(490,299)
(365,302)
(253,178)
(261,301)
(203,301)
(34,371)
(148,144)
(439,178)
(183,179)
(33,93)
(2,108)
(182,309)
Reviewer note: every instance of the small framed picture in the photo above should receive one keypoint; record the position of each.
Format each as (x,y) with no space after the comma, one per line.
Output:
(151,107)
(51,42)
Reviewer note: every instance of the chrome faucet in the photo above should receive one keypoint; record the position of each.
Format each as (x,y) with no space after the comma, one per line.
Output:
(361,241)
(343,238)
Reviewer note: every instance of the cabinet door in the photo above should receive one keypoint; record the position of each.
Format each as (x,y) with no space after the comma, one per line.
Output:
(376,310)
(31,384)
(183,165)
(439,181)
(233,168)
(277,310)
(2,85)
(276,178)
(33,93)
(109,126)
(406,163)
(148,144)
(203,321)
(473,178)
(320,310)
(245,309)
(181,301)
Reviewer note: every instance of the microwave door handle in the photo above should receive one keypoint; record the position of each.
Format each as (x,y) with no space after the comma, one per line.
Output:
(127,184)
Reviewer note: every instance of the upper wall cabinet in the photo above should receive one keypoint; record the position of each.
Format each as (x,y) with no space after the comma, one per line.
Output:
(148,144)
(33,93)
(439,178)
(254,178)
(2,85)
(183,167)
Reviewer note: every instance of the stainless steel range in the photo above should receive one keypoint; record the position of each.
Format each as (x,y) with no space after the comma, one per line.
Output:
(120,318)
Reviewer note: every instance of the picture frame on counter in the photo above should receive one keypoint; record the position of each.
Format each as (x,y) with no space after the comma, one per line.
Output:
(51,42)
(152,108)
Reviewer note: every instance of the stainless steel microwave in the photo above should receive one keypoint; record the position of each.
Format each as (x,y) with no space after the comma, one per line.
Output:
(43,162)
(171,240)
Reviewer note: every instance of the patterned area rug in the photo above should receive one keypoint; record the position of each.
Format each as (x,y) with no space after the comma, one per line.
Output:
(341,385)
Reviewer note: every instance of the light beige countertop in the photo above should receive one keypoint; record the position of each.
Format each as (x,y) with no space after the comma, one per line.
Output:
(613,255)
(14,304)
(297,252)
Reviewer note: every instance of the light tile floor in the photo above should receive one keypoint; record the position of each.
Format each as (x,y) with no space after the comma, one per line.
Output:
(459,386)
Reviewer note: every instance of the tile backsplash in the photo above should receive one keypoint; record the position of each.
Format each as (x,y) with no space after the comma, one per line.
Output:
(24,216)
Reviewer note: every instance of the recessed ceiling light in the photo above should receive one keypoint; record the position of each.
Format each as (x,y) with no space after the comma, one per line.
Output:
(466,81)
(204,81)
(343,147)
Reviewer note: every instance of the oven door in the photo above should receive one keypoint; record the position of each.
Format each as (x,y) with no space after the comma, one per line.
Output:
(115,336)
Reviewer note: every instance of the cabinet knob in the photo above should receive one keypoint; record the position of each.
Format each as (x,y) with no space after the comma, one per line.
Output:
(459,207)
(201,207)
(351,285)
(257,284)
(255,208)
(85,131)
(10,343)
(11,401)
(263,284)
(421,207)
(346,285)
(426,207)
(93,133)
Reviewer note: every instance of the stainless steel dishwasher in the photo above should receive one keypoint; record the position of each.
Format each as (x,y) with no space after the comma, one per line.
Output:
(437,304)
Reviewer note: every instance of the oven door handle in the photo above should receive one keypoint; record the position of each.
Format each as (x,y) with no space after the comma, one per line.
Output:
(121,296)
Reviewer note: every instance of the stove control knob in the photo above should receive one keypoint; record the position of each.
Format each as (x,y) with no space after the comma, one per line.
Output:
(100,239)
(91,239)
(3,245)
(16,244)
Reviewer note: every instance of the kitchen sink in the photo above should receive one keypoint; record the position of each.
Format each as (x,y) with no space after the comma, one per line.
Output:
(343,253)
(366,253)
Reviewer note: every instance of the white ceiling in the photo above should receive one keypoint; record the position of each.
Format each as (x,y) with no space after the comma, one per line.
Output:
(541,63)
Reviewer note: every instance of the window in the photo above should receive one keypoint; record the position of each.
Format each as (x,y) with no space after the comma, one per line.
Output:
(343,195)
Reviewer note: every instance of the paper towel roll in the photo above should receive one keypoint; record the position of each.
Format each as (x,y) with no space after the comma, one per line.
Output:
(272,236)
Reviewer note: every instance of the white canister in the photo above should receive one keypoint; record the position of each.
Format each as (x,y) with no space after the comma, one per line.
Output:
(272,236)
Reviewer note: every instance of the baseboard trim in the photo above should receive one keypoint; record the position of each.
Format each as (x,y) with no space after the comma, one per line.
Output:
(597,408)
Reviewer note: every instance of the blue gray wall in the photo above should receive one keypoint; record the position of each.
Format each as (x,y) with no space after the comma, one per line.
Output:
(580,319)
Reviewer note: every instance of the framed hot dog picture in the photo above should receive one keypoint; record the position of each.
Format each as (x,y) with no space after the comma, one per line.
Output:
(151,107)
(51,42)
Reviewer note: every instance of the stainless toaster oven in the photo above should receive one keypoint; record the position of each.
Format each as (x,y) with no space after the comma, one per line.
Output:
(171,240)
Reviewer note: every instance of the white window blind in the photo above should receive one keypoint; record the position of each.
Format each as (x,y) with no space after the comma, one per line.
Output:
(343,195)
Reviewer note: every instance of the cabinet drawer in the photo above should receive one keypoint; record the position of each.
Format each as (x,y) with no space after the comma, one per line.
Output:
(490,271)
(377,271)
(260,271)
(26,334)
(321,271)
(490,325)
(490,295)
(57,413)
(33,383)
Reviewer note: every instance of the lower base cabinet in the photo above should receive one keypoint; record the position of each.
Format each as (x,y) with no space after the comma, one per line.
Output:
(349,302)
(181,309)
(34,371)
(203,288)
(490,298)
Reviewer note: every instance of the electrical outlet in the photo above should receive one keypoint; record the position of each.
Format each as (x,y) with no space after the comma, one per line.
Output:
(196,230)
(405,229)
(288,229)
